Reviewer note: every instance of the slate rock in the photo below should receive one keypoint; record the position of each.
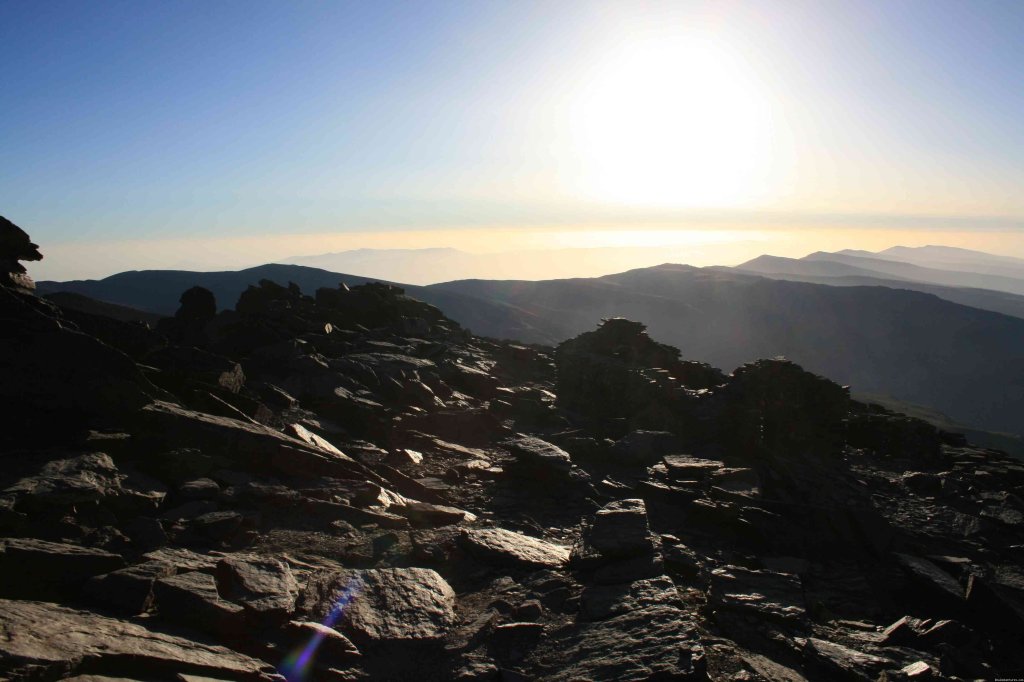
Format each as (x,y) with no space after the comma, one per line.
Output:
(129,590)
(192,599)
(199,489)
(539,455)
(501,547)
(690,468)
(87,478)
(843,663)
(930,584)
(762,595)
(620,529)
(264,586)
(31,568)
(45,640)
(217,525)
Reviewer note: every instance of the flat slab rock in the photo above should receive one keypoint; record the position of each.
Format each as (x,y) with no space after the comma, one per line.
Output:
(46,641)
(38,568)
(381,606)
(507,548)
(538,453)
(687,467)
(842,661)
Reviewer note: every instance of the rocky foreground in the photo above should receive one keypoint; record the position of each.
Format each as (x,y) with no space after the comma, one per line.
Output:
(348,486)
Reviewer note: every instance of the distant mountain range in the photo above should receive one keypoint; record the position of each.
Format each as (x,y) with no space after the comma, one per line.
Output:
(907,339)
(429,266)
(837,273)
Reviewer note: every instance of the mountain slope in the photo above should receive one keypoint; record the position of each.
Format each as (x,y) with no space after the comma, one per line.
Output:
(949,258)
(776,265)
(945,277)
(843,274)
(158,291)
(913,346)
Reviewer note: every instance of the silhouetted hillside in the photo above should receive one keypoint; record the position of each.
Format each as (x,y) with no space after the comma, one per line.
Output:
(949,258)
(158,291)
(931,275)
(916,347)
(72,301)
(843,275)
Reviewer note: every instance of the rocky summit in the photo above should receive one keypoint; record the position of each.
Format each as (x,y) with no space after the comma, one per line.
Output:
(346,485)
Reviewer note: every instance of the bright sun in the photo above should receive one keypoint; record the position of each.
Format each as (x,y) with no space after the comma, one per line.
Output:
(673,123)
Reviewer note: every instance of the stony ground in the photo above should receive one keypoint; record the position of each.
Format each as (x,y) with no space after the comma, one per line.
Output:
(348,486)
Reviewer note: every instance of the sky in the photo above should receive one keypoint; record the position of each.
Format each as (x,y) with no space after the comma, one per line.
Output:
(187,134)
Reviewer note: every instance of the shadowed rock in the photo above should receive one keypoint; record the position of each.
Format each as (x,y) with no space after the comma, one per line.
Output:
(15,246)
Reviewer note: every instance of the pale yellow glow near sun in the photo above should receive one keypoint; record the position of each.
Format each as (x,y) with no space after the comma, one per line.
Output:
(673,121)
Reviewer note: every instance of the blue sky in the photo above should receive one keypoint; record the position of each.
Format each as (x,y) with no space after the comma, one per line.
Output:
(186,120)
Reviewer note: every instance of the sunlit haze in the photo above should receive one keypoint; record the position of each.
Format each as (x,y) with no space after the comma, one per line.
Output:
(576,138)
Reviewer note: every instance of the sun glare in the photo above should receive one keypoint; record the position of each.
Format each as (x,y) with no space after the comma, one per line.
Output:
(674,121)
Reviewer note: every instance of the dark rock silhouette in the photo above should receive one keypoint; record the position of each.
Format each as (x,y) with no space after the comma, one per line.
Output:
(15,246)
(351,486)
(197,303)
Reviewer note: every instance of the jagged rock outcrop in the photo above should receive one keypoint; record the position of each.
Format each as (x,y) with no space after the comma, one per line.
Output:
(15,246)
(349,486)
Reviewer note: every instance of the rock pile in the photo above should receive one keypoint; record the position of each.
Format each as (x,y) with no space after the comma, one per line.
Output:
(348,486)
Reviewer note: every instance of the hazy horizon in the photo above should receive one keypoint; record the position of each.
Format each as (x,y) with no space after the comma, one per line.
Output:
(227,135)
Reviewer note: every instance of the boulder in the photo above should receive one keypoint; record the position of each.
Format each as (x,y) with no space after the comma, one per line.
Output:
(777,405)
(264,587)
(620,529)
(539,456)
(85,479)
(197,303)
(501,547)
(382,606)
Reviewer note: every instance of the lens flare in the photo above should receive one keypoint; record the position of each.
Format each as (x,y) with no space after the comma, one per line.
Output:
(296,665)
